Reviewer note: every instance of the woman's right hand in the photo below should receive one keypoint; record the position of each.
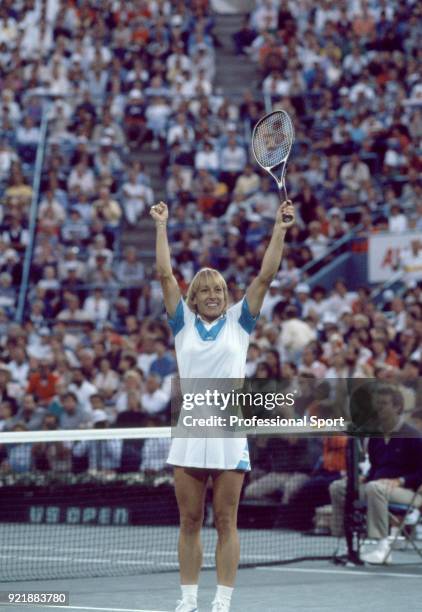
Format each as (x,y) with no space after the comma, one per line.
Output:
(160,213)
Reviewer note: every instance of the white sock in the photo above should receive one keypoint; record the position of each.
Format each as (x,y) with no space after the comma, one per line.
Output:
(189,592)
(224,593)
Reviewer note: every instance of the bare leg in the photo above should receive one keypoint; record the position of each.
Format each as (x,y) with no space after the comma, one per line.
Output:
(226,494)
(190,486)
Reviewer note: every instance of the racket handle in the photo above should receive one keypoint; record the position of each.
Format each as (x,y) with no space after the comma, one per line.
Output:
(286,218)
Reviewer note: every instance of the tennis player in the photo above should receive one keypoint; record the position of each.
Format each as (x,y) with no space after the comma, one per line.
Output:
(211,341)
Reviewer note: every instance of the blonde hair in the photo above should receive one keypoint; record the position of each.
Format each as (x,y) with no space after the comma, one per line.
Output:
(206,275)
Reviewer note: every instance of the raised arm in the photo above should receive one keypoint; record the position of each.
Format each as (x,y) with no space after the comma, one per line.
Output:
(171,291)
(271,260)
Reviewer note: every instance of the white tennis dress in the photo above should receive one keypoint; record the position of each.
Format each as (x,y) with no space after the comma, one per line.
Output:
(211,350)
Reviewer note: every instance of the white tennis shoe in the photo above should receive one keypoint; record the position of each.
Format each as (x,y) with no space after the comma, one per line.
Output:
(186,605)
(381,555)
(220,606)
(413,517)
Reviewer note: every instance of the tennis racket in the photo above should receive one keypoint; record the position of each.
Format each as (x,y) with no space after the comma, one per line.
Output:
(272,141)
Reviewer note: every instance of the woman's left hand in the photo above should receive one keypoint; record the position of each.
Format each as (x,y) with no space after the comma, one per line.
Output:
(286,208)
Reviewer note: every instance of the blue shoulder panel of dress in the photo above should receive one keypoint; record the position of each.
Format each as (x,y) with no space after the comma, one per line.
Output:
(177,321)
(246,320)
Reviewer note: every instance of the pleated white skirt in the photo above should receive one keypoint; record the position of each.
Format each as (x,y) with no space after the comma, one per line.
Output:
(210,453)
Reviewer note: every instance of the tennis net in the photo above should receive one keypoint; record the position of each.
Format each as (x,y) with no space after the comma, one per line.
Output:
(101,503)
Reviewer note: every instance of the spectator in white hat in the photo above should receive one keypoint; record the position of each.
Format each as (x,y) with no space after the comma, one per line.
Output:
(271,299)
(303,298)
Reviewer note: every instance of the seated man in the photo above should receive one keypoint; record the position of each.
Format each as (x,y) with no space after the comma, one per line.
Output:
(281,467)
(394,476)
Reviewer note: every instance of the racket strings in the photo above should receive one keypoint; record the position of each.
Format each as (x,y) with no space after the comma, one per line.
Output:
(273,138)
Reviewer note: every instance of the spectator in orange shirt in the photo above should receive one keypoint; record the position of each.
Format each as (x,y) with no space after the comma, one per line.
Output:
(140,32)
(382,354)
(42,383)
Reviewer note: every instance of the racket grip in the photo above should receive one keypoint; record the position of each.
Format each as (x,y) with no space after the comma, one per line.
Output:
(287,218)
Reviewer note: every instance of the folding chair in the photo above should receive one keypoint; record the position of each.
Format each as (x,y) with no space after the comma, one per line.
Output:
(405,517)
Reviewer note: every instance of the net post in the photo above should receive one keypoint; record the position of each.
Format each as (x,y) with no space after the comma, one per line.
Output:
(353,516)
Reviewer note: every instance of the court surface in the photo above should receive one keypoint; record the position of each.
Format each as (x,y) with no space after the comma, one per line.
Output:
(73,551)
(317,586)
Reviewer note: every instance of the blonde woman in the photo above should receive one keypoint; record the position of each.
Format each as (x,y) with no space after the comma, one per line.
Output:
(211,341)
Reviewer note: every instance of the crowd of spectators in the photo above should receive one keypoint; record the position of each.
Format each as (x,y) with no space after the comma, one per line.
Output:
(124,77)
